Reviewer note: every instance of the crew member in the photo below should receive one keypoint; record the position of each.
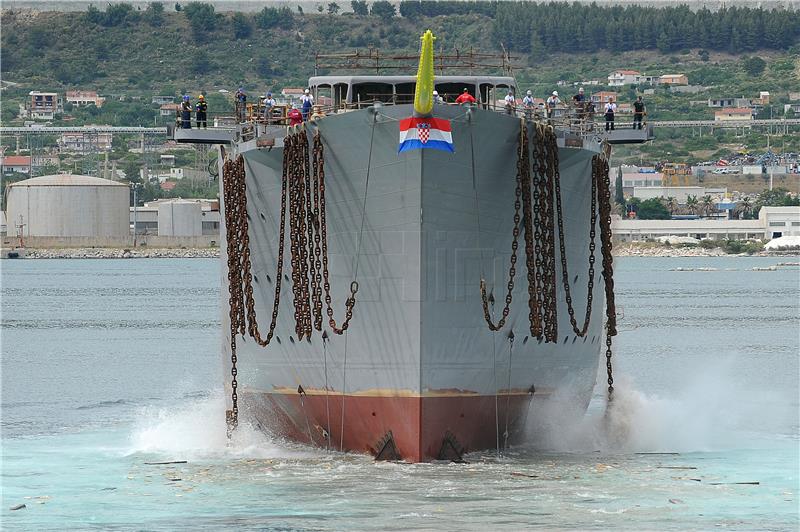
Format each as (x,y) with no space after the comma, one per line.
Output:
(295,116)
(609,111)
(307,100)
(552,102)
(638,113)
(269,103)
(186,113)
(241,104)
(579,100)
(201,108)
(528,103)
(436,98)
(510,103)
(465,97)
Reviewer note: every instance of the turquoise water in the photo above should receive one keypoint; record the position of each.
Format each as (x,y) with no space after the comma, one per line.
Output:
(109,364)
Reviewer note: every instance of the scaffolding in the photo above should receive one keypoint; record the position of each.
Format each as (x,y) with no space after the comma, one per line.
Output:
(373,61)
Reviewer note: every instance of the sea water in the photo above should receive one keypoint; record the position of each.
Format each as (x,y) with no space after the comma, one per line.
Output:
(111,365)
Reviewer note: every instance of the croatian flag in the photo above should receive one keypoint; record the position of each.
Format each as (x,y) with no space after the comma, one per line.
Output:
(425,133)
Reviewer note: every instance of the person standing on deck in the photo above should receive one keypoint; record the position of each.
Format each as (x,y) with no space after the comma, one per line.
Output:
(295,116)
(465,97)
(201,110)
(436,98)
(186,113)
(610,109)
(269,103)
(241,104)
(579,100)
(528,103)
(510,103)
(638,113)
(552,102)
(307,101)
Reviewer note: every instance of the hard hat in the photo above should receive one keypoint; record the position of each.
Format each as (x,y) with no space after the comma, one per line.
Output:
(555,93)
(201,97)
(466,90)
(185,97)
(580,90)
(306,91)
(529,93)
(241,89)
(435,93)
(269,94)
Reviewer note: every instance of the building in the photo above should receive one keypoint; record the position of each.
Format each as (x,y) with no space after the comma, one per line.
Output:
(81,98)
(780,221)
(772,222)
(169,109)
(290,94)
(67,205)
(673,79)
(763,99)
(681,194)
(44,105)
(602,97)
(161,100)
(793,107)
(728,102)
(732,114)
(175,217)
(20,164)
(77,142)
(619,78)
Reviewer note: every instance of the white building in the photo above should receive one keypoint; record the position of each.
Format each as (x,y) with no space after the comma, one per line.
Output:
(81,98)
(681,194)
(618,78)
(160,218)
(77,142)
(772,222)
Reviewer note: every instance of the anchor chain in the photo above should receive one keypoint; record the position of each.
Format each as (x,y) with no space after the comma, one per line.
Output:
(538,194)
(303,200)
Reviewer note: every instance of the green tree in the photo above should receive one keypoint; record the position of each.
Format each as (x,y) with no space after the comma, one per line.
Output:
(619,195)
(242,28)
(383,9)
(154,14)
(333,8)
(707,204)
(271,17)
(671,204)
(359,7)
(652,209)
(692,204)
(202,19)
(777,197)
(753,65)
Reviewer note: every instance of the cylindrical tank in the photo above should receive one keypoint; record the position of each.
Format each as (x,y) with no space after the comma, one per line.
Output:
(180,218)
(66,205)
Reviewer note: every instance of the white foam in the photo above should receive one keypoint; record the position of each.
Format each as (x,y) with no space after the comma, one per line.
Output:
(195,430)
(708,413)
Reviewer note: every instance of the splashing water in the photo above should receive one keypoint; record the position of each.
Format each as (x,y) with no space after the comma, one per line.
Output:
(196,431)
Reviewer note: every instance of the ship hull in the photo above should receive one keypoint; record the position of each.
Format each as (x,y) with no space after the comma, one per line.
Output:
(418,231)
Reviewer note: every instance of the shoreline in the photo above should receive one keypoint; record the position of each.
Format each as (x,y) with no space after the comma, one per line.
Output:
(620,250)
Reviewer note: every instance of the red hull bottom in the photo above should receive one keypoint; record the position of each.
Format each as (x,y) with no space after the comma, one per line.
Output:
(420,428)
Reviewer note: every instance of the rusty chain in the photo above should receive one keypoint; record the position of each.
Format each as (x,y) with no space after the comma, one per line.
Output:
(303,199)
(538,193)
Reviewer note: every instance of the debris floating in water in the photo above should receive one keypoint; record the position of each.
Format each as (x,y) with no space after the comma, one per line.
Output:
(18,507)
(167,463)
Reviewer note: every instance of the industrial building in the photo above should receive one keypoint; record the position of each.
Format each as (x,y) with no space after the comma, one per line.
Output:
(772,222)
(66,205)
(176,218)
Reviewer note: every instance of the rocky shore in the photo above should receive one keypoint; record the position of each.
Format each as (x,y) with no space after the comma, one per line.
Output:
(628,249)
(115,253)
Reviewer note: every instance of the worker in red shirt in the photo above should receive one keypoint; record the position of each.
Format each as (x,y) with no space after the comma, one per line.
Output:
(295,116)
(465,97)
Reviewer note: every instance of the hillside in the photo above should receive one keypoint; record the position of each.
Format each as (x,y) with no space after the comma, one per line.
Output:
(132,53)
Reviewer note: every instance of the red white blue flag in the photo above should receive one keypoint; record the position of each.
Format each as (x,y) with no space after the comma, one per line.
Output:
(417,133)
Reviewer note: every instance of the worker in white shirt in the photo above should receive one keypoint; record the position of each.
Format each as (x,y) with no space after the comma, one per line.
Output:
(307,101)
(510,102)
(528,103)
(269,103)
(552,102)
(609,111)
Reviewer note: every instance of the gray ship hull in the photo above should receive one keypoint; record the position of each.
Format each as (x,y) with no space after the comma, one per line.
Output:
(418,370)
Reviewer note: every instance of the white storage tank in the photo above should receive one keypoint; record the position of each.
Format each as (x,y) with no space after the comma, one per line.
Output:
(67,205)
(180,218)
